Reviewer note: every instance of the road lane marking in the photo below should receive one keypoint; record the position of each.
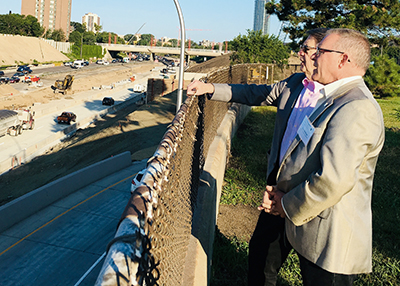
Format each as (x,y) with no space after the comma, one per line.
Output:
(67,211)
(90,270)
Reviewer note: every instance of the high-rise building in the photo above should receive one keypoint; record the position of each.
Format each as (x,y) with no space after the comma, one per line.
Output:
(261,18)
(51,14)
(90,19)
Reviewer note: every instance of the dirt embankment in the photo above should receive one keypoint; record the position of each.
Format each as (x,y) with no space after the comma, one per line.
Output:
(16,49)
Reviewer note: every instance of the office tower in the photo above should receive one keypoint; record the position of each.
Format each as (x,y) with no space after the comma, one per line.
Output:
(261,18)
(51,14)
(90,19)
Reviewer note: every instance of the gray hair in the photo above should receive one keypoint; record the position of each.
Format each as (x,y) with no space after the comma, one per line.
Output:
(355,44)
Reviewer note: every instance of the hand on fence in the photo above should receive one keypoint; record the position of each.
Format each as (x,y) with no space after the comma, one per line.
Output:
(198,88)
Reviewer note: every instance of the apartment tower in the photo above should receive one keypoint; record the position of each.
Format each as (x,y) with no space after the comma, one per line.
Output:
(90,19)
(51,14)
(261,18)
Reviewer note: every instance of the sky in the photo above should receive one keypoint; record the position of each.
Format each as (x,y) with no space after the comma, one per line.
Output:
(211,20)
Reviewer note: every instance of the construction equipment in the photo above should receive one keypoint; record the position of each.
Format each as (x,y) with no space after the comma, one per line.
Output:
(14,121)
(63,85)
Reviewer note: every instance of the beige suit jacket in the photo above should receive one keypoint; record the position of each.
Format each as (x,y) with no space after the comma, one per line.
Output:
(328,181)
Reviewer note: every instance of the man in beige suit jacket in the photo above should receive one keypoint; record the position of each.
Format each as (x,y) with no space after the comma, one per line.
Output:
(322,184)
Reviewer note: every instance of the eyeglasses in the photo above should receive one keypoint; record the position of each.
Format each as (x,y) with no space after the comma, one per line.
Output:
(306,48)
(321,51)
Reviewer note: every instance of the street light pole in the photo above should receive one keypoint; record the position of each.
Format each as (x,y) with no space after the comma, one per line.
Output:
(182,58)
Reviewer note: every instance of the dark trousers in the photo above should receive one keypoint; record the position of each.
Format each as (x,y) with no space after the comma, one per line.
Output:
(314,275)
(268,250)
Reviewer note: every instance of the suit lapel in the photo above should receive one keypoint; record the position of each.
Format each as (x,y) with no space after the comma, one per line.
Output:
(320,110)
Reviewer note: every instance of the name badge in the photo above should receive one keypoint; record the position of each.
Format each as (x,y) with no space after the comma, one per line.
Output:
(306,130)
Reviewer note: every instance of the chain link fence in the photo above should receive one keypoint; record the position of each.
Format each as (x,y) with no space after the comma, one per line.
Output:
(153,235)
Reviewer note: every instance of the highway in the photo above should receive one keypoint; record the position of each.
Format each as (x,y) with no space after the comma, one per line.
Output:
(16,150)
(65,243)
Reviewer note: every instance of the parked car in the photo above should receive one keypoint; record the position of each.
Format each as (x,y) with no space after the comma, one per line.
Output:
(100,62)
(66,117)
(108,101)
(24,69)
(14,79)
(136,180)
(85,63)
(18,74)
(67,64)
(4,80)
(1,73)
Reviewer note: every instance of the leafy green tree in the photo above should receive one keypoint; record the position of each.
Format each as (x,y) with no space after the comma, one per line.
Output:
(174,42)
(130,38)
(58,35)
(145,39)
(383,77)
(379,19)
(78,27)
(102,37)
(89,38)
(16,24)
(97,28)
(75,37)
(127,37)
(256,48)
(32,27)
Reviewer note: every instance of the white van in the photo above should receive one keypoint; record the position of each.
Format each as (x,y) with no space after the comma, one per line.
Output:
(78,64)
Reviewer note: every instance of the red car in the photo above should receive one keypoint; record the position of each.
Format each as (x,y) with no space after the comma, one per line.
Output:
(14,79)
(66,117)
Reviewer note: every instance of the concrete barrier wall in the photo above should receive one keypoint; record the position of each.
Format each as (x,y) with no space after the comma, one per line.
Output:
(27,205)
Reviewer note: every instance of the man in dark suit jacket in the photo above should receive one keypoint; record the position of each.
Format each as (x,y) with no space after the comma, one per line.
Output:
(268,249)
(321,168)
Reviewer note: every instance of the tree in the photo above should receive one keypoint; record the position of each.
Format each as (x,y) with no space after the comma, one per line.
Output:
(89,38)
(16,24)
(75,37)
(145,39)
(174,42)
(78,27)
(58,35)
(97,28)
(383,77)
(378,19)
(32,26)
(256,48)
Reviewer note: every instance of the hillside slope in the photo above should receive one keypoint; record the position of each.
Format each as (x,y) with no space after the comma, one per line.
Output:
(15,49)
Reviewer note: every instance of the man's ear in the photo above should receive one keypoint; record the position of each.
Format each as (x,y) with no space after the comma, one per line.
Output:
(344,59)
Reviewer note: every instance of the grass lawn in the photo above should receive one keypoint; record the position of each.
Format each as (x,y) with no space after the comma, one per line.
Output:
(245,182)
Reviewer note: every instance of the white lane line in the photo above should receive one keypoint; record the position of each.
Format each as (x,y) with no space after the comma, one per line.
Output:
(90,269)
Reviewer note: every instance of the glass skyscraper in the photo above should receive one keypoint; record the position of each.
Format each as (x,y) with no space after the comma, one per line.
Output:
(261,18)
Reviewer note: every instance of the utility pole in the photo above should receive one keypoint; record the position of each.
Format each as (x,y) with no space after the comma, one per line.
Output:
(182,56)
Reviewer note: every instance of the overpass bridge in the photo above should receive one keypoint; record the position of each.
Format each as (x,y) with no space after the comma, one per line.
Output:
(162,50)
